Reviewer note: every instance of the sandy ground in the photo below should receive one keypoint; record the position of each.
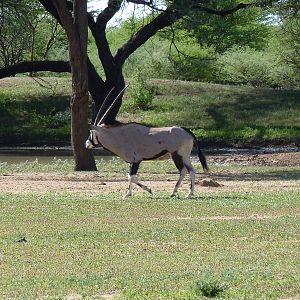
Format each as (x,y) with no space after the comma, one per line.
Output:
(226,181)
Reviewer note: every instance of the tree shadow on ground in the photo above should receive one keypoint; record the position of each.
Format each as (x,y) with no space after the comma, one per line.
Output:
(251,108)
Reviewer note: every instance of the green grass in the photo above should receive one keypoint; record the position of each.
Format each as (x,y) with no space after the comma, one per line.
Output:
(34,113)
(149,247)
(224,245)
(218,114)
(225,114)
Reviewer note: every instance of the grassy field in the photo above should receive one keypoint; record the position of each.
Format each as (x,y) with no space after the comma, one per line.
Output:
(38,113)
(225,245)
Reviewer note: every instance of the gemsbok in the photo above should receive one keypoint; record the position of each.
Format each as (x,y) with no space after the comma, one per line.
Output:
(135,142)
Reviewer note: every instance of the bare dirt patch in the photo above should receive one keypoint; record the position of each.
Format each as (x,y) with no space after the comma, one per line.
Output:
(291,159)
(93,182)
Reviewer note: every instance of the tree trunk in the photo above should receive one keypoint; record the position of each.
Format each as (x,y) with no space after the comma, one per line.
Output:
(76,28)
(84,159)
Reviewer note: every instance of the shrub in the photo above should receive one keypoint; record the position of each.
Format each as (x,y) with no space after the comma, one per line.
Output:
(193,63)
(140,94)
(208,287)
(51,120)
(257,68)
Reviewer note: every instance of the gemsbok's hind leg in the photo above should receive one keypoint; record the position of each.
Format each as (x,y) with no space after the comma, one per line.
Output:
(178,161)
(184,165)
(191,170)
(179,182)
(133,179)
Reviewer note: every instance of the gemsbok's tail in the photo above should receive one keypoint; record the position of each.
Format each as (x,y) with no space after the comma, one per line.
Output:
(201,156)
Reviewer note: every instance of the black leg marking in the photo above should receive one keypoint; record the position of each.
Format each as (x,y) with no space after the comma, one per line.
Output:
(178,161)
(134,168)
(133,178)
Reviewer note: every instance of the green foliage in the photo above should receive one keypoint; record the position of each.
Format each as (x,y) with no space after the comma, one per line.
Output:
(235,49)
(29,33)
(193,63)
(54,119)
(288,35)
(208,286)
(31,113)
(256,68)
(243,28)
(140,93)
(14,33)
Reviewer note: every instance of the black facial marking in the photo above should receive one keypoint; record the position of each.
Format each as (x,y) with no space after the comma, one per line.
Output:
(92,140)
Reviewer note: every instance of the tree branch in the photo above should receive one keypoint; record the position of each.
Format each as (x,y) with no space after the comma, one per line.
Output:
(149,4)
(92,73)
(223,12)
(107,14)
(229,11)
(98,30)
(36,66)
(164,19)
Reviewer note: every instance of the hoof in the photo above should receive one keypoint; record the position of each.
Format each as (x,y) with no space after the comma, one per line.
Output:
(189,195)
(126,196)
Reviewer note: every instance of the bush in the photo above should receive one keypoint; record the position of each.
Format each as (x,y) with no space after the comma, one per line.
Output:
(257,68)
(197,65)
(209,287)
(51,120)
(140,94)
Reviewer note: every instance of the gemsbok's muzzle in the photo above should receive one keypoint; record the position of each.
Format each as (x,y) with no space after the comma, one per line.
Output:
(89,143)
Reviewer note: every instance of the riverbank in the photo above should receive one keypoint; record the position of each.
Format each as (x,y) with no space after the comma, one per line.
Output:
(67,150)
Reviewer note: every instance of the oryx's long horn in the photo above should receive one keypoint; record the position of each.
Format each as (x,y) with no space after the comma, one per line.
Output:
(111,106)
(103,105)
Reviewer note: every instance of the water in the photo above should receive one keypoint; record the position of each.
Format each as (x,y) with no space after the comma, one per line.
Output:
(15,159)
(47,155)
(43,155)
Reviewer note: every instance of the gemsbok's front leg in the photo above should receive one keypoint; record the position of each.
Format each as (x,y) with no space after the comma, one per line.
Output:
(133,179)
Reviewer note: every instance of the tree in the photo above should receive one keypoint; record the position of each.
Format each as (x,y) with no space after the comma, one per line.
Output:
(244,28)
(27,32)
(113,63)
(77,32)
(14,34)
(289,33)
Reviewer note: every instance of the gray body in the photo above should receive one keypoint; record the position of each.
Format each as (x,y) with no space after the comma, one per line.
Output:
(135,142)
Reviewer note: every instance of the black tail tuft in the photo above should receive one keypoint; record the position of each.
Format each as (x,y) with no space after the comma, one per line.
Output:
(202,158)
(200,154)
